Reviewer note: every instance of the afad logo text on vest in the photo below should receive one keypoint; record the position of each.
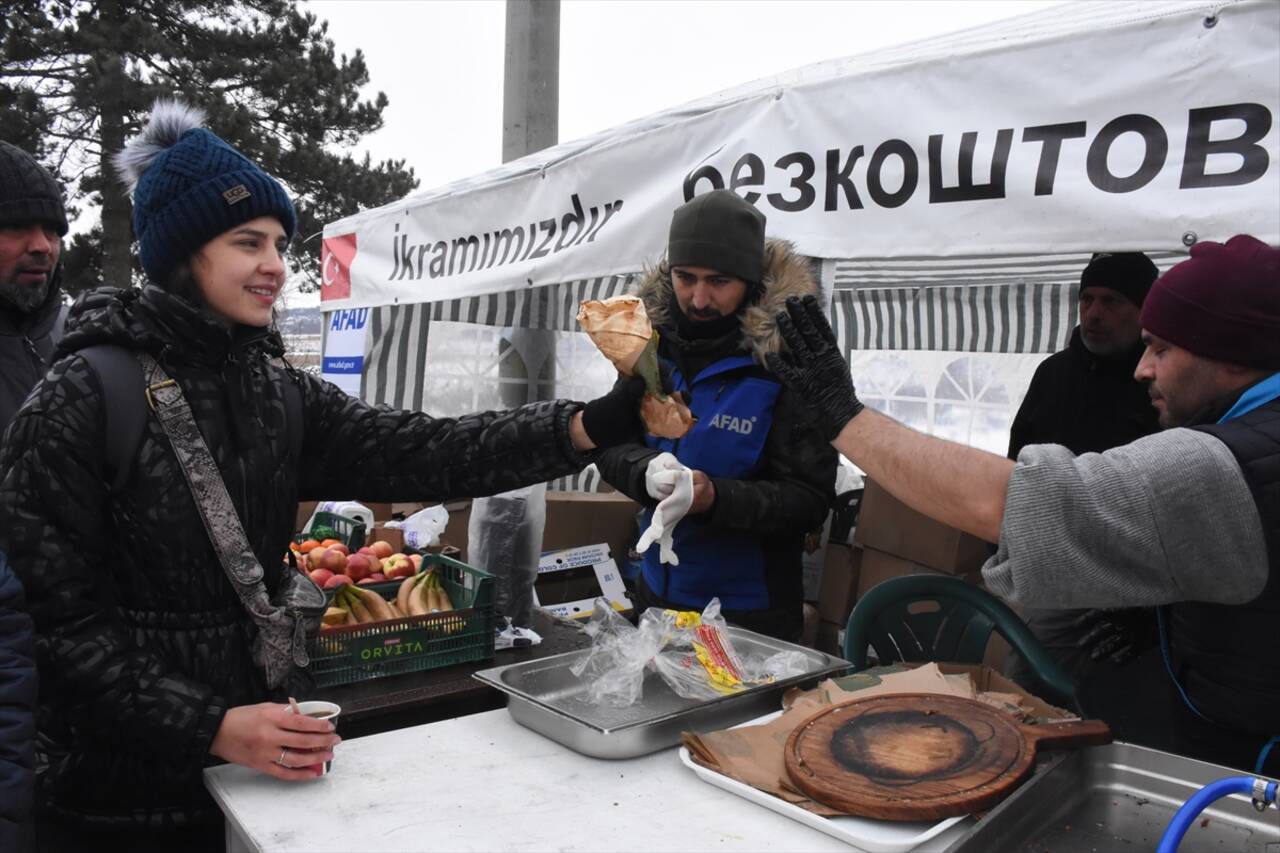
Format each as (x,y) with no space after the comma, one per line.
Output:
(742,426)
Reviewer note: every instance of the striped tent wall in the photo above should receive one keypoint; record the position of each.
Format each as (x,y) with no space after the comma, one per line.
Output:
(527,309)
(586,480)
(1011,304)
(396,351)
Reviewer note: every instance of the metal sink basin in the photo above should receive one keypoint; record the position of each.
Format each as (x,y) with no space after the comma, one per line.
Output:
(1115,798)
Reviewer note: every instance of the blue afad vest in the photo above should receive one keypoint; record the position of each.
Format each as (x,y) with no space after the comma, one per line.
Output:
(733,401)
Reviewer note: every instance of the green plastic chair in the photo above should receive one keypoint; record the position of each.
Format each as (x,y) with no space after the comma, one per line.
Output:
(958,630)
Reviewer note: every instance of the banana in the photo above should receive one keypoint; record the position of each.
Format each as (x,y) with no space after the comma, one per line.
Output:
(334,616)
(356,605)
(418,601)
(406,588)
(374,603)
(443,597)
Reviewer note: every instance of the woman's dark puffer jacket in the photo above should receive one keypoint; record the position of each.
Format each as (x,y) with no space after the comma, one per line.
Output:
(17,710)
(141,642)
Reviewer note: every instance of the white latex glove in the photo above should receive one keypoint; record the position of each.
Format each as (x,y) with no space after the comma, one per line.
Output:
(671,483)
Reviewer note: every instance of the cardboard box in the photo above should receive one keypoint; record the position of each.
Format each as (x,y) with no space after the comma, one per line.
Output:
(576,519)
(876,567)
(830,638)
(839,587)
(890,526)
(570,580)
(985,680)
(305,509)
(381,533)
(455,532)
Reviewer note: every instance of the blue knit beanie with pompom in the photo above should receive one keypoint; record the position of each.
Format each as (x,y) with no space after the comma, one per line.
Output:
(189,186)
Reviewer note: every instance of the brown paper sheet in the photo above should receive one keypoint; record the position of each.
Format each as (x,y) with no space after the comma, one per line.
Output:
(754,755)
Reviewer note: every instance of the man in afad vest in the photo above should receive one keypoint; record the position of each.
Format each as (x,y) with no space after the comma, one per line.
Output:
(762,477)
(1186,520)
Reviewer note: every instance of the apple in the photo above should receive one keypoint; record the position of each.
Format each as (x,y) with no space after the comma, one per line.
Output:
(321,576)
(340,548)
(314,558)
(358,567)
(365,581)
(334,560)
(416,559)
(365,549)
(377,576)
(399,569)
(336,581)
(381,549)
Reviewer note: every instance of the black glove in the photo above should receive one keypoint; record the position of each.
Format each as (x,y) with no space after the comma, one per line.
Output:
(615,418)
(814,367)
(1119,635)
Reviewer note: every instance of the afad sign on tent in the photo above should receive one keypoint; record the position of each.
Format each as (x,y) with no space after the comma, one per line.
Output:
(345,330)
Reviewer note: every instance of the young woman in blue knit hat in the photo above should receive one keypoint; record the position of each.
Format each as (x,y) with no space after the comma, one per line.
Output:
(151,665)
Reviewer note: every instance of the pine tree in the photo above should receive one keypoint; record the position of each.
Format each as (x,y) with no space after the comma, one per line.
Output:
(77,78)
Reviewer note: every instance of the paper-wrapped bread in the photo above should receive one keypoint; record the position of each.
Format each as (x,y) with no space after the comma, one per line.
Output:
(619,327)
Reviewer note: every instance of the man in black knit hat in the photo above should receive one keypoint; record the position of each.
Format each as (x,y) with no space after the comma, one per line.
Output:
(1086,399)
(32,224)
(762,477)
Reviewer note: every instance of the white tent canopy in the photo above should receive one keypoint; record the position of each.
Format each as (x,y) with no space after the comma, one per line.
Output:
(953,189)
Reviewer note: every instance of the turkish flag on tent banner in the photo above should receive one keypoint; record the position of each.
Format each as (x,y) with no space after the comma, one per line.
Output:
(336,257)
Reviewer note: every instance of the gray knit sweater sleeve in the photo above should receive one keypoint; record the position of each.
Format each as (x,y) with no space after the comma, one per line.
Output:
(1166,518)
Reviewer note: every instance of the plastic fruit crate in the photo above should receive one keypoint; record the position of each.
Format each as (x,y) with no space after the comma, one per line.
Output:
(415,643)
(350,531)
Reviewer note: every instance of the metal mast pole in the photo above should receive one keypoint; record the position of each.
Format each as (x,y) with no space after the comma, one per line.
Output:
(530,122)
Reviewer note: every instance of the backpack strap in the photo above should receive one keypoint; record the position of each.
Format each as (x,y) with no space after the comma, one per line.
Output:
(59,325)
(124,395)
(124,391)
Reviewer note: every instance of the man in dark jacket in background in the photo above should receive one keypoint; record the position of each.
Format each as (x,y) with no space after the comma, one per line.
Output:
(1086,399)
(32,224)
(762,477)
(17,714)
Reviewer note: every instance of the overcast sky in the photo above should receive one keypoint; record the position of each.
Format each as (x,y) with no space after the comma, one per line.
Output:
(440,61)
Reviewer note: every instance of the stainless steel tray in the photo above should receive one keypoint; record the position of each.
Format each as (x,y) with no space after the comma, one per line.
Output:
(545,696)
(1119,797)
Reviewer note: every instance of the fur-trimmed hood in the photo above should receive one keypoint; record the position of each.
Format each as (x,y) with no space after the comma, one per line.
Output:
(787,273)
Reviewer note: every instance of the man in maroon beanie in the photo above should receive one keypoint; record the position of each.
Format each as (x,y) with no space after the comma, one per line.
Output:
(1187,519)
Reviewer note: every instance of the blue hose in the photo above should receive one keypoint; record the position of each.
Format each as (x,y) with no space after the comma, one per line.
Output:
(1209,793)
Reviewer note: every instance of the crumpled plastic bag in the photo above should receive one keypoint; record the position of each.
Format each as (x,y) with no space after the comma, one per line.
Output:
(691,652)
(424,528)
(504,538)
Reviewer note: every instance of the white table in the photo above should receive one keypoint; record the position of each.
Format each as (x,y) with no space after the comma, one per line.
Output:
(484,782)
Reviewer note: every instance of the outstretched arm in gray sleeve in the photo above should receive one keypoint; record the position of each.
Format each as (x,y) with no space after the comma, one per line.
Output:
(1166,518)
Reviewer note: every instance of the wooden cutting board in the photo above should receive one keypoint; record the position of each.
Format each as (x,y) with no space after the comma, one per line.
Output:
(921,756)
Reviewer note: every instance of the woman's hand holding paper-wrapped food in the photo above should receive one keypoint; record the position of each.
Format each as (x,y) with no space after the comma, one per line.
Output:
(614,418)
(620,328)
